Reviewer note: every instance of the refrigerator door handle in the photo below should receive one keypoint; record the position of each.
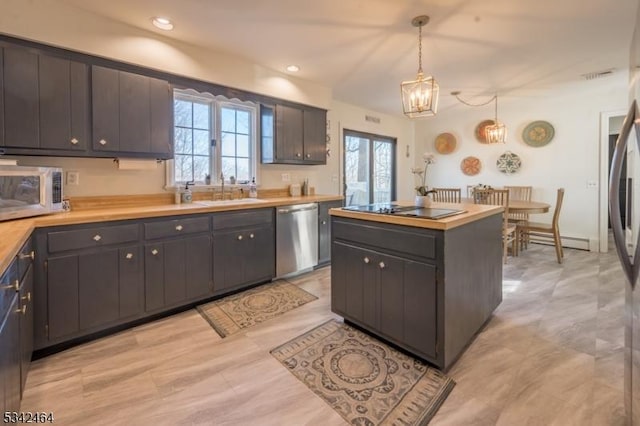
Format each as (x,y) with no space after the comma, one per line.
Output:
(631,269)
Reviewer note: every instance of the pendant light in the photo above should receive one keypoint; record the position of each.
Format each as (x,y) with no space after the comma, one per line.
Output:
(496,132)
(420,96)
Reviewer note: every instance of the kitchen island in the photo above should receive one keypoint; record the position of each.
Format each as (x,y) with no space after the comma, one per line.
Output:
(427,286)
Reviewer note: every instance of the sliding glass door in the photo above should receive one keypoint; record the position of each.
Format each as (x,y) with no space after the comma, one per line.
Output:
(369,168)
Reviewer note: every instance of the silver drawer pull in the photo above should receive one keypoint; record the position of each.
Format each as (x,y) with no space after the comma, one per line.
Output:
(179,228)
(27,297)
(251,236)
(22,310)
(102,142)
(129,256)
(239,237)
(15,286)
(366,260)
(97,237)
(154,252)
(31,255)
(382,265)
(74,141)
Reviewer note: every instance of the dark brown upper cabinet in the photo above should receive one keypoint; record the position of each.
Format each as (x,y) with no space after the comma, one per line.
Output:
(132,114)
(293,135)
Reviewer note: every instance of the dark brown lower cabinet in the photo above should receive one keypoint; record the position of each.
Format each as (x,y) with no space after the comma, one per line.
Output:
(26,325)
(10,358)
(324,231)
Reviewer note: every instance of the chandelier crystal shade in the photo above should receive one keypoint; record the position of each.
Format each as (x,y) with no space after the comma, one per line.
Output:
(420,96)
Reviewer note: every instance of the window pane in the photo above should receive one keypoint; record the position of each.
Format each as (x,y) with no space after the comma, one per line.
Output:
(228,120)
(243,169)
(382,170)
(356,168)
(201,116)
(183,168)
(242,121)
(228,167)
(201,142)
(242,145)
(183,141)
(228,144)
(200,168)
(182,113)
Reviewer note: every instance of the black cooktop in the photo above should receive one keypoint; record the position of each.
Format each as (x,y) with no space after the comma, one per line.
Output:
(407,211)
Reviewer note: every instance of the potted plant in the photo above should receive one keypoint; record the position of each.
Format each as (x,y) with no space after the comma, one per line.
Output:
(422,190)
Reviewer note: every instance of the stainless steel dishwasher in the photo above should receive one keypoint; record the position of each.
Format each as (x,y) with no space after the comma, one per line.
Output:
(296,238)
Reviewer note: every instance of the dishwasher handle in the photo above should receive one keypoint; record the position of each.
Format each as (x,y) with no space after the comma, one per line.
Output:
(298,208)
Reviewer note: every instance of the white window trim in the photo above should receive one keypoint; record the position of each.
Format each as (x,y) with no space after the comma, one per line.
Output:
(216,103)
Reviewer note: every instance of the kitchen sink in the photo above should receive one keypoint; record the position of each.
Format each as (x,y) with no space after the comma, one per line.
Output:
(230,202)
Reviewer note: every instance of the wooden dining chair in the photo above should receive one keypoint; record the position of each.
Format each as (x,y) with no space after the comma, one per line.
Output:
(519,193)
(500,197)
(535,230)
(447,195)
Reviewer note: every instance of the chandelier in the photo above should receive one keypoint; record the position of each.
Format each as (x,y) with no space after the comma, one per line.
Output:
(420,96)
(496,132)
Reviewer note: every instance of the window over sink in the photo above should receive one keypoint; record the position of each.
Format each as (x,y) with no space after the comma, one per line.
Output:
(213,137)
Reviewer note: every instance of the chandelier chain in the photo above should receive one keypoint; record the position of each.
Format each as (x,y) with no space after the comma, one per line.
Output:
(494,98)
(420,49)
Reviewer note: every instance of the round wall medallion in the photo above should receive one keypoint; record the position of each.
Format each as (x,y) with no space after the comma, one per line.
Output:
(508,163)
(538,133)
(480,132)
(471,166)
(445,143)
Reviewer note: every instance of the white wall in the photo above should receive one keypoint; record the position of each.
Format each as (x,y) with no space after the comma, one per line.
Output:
(570,160)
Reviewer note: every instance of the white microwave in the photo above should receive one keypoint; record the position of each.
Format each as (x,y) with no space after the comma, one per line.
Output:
(29,191)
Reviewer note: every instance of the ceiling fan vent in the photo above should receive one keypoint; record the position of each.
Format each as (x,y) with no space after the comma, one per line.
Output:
(598,74)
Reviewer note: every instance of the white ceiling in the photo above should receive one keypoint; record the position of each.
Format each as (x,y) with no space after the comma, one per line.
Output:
(363,49)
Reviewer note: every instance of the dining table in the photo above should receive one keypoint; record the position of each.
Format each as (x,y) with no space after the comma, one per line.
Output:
(521,206)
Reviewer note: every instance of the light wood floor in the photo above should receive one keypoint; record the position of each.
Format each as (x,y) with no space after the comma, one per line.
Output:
(551,355)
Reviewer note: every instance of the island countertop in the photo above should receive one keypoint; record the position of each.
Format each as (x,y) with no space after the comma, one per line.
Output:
(473,212)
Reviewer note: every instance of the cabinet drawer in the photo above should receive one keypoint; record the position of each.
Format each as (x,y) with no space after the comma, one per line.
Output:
(25,258)
(176,227)
(410,240)
(91,237)
(8,288)
(260,217)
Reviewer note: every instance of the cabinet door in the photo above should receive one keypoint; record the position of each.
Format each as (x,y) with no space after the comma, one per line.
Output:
(324,230)
(20,98)
(98,288)
(1,128)
(130,281)
(315,136)
(260,255)
(289,134)
(26,326)
(198,261)
(63,303)
(267,134)
(420,306)
(391,305)
(63,103)
(10,359)
(161,104)
(229,254)
(175,271)
(105,91)
(153,277)
(135,113)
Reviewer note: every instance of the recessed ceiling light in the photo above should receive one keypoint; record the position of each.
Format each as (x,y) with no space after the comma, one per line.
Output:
(162,23)
(293,68)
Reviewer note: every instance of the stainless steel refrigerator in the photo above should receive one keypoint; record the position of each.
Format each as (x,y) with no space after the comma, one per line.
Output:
(626,234)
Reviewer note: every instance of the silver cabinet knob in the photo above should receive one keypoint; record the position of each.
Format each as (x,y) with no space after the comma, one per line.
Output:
(239,237)
(251,236)
(129,256)
(74,141)
(154,252)
(97,237)
(366,260)
(102,142)
(382,265)
(298,155)
(179,228)
(31,255)
(308,155)
(324,222)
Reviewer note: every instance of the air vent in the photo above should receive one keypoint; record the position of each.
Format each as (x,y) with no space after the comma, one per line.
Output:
(598,74)
(372,119)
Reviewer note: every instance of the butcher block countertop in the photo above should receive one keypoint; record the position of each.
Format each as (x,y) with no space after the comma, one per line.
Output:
(473,213)
(14,233)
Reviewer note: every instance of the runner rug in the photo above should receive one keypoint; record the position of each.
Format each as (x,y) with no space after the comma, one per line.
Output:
(236,312)
(364,380)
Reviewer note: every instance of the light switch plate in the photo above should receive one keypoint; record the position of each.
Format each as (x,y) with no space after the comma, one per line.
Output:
(286,177)
(73,178)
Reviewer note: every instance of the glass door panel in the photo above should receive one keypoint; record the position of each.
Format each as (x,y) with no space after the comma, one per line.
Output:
(382,171)
(356,170)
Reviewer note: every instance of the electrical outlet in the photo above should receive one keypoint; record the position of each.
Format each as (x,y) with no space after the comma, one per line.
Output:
(73,178)
(286,177)
(334,178)
(592,184)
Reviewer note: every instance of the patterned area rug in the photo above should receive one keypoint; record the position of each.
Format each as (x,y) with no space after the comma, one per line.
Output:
(364,380)
(239,311)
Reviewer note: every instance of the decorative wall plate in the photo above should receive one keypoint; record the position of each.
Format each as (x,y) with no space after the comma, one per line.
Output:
(471,166)
(538,133)
(508,163)
(480,130)
(445,143)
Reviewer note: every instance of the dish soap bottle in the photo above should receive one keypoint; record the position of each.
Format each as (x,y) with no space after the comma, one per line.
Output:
(187,196)
(253,190)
